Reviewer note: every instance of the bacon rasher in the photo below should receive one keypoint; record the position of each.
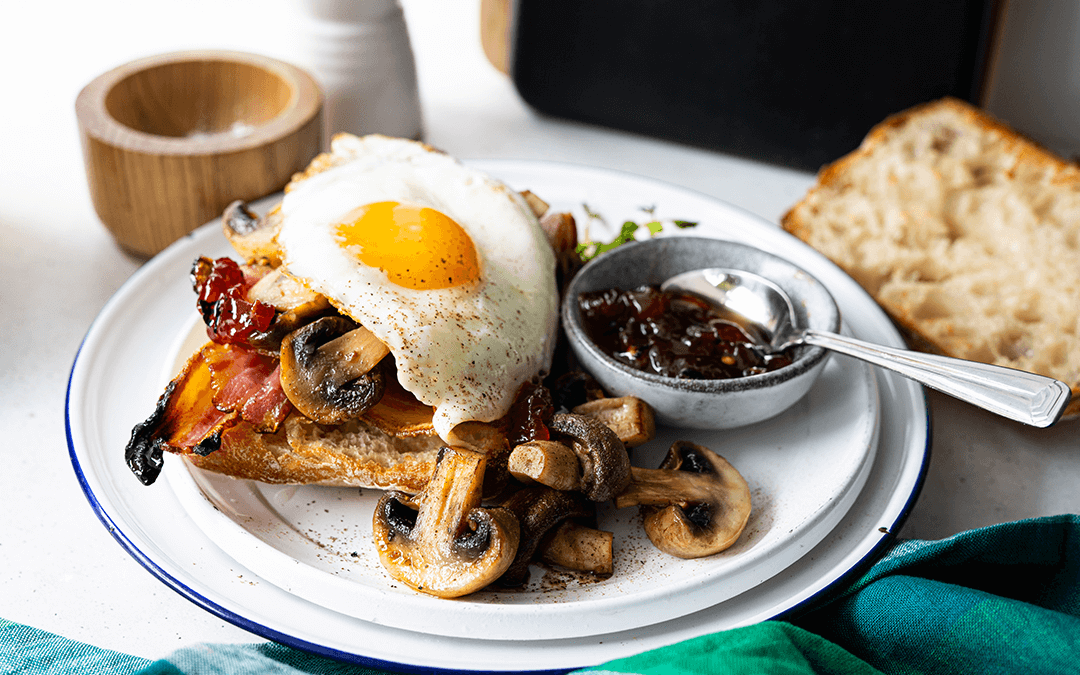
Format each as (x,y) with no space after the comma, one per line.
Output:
(219,386)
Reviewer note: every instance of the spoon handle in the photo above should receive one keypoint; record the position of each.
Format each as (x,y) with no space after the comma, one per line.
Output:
(1016,394)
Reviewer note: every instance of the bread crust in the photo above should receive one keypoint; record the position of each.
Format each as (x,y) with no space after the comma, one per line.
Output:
(863,215)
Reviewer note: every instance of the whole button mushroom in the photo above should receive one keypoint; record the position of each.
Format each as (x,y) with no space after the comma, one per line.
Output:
(605,466)
(442,542)
(696,504)
(557,464)
(328,369)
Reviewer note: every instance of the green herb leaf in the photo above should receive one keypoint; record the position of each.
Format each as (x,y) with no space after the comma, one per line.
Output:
(590,249)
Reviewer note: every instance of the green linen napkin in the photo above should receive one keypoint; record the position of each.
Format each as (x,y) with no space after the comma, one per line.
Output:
(1002,599)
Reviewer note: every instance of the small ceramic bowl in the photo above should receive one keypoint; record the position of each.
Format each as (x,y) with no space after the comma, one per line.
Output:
(702,404)
(170,140)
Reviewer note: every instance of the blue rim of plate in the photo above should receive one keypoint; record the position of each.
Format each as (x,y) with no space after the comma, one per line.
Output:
(807,604)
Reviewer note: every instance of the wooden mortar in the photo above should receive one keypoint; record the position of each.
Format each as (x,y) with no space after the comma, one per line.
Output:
(170,140)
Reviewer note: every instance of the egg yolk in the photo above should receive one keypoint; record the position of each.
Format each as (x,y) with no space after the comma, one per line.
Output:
(417,247)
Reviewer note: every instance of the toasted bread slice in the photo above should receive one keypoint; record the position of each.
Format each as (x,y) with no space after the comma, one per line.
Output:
(354,454)
(966,233)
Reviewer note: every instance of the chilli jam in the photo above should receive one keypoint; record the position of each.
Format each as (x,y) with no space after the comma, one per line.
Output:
(671,334)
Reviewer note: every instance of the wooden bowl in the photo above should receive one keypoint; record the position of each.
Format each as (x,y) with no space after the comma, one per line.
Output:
(170,140)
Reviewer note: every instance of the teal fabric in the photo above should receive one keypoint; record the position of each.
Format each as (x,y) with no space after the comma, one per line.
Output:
(1003,599)
(28,650)
(261,659)
(773,647)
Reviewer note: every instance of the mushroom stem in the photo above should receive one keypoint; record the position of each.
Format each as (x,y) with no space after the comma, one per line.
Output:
(452,492)
(360,351)
(629,417)
(549,463)
(538,206)
(580,548)
(661,487)
(490,441)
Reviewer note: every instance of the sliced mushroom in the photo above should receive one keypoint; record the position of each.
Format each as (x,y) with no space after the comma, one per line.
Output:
(696,504)
(605,466)
(538,206)
(629,417)
(293,302)
(442,542)
(561,231)
(580,548)
(539,509)
(286,294)
(252,236)
(549,463)
(328,369)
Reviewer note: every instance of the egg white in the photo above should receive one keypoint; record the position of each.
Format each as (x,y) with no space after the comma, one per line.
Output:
(463,350)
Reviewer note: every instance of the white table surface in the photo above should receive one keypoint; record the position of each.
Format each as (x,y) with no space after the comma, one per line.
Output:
(60,570)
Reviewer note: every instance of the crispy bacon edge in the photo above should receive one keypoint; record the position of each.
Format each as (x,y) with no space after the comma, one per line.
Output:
(219,386)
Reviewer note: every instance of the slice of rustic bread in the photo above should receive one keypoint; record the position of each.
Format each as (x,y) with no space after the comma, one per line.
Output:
(967,233)
(354,454)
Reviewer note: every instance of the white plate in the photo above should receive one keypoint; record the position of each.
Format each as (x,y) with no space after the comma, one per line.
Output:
(804,467)
(111,384)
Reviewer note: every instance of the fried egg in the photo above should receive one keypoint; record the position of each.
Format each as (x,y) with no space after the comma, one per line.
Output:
(445,265)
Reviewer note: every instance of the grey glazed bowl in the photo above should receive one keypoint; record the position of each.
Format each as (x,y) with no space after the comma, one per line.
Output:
(702,404)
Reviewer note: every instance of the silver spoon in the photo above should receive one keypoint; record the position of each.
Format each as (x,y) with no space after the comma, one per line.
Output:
(765,311)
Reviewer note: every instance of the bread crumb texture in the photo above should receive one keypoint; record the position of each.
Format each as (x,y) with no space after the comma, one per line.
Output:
(965,232)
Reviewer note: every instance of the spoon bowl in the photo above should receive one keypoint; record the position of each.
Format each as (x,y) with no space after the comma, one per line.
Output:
(757,305)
